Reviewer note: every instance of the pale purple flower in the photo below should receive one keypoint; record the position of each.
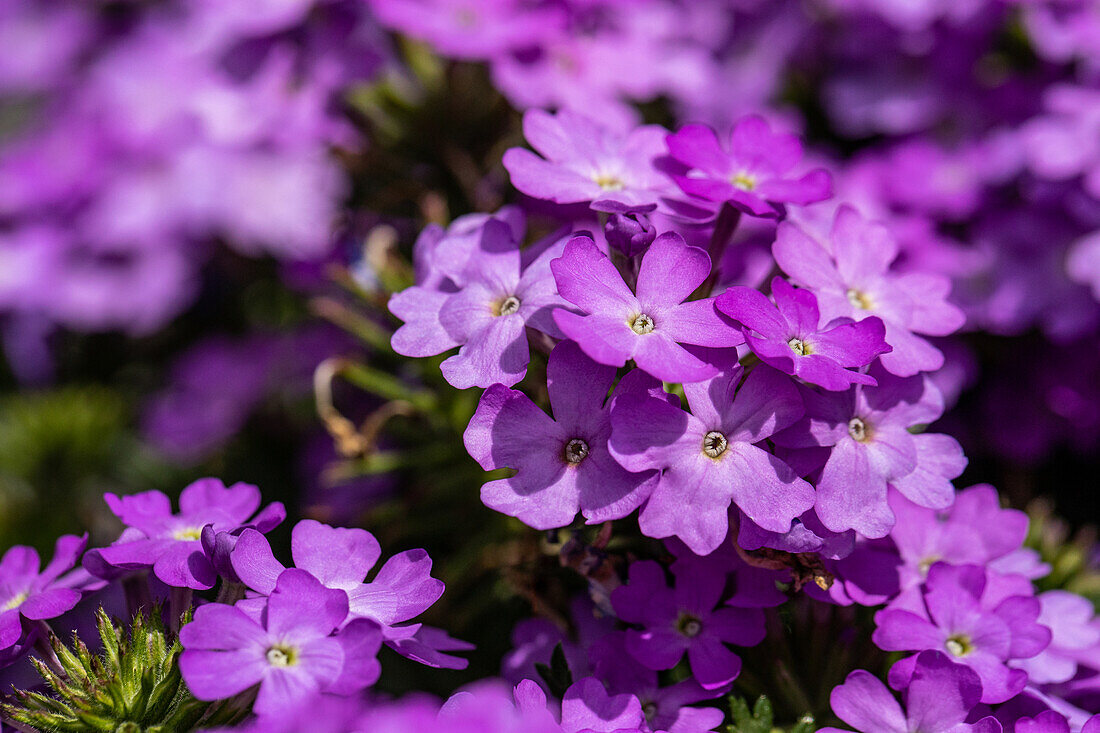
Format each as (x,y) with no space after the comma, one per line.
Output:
(470,29)
(756,175)
(978,617)
(1064,143)
(685,619)
(939,699)
(615,325)
(290,652)
(708,457)
(496,300)
(1052,722)
(851,276)
(790,336)
(1074,629)
(586,162)
(1083,262)
(562,463)
(170,544)
(867,429)
(29,591)
(341,558)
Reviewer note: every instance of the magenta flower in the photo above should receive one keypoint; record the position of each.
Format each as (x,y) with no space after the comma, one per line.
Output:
(170,544)
(28,591)
(708,457)
(1050,721)
(868,431)
(1074,630)
(340,558)
(755,175)
(685,619)
(790,337)
(940,696)
(562,463)
(851,277)
(290,653)
(496,300)
(585,162)
(980,618)
(615,325)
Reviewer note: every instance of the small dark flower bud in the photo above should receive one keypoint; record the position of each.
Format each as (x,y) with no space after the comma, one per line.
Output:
(630,233)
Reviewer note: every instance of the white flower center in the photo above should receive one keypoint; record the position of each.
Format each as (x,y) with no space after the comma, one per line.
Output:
(576,450)
(714,444)
(689,626)
(959,645)
(799,346)
(858,430)
(508,306)
(642,324)
(281,656)
(859,300)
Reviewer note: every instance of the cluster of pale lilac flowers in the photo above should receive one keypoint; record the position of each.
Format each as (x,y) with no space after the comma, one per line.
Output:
(143,135)
(759,415)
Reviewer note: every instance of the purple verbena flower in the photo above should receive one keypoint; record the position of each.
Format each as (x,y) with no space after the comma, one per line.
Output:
(340,558)
(852,278)
(170,544)
(708,457)
(978,617)
(615,325)
(491,300)
(684,619)
(1074,628)
(585,162)
(940,696)
(562,462)
(867,429)
(790,336)
(755,175)
(28,591)
(290,652)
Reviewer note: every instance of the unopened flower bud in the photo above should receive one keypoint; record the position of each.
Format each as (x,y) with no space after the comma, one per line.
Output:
(630,233)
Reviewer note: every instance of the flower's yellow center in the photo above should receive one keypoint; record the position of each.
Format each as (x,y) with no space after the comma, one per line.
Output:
(608,181)
(959,645)
(743,181)
(576,450)
(800,347)
(506,306)
(689,626)
(282,656)
(926,564)
(642,324)
(188,533)
(16,601)
(859,299)
(859,430)
(715,444)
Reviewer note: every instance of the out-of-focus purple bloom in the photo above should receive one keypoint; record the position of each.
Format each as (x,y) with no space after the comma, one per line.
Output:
(981,619)
(789,335)
(341,558)
(684,619)
(756,174)
(291,653)
(497,298)
(709,457)
(941,695)
(562,462)
(586,162)
(170,544)
(471,29)
(28,591)
(1053,722)
(867,429)
(616,325)
(1073,627)
(1065,143)
(851,277)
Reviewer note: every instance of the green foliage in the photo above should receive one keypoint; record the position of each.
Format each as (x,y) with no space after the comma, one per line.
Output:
(1070,558)
(761,718)
(132,686)
(558,677)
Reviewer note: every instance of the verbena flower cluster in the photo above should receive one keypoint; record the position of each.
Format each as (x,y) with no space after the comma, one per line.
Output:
(708,366)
